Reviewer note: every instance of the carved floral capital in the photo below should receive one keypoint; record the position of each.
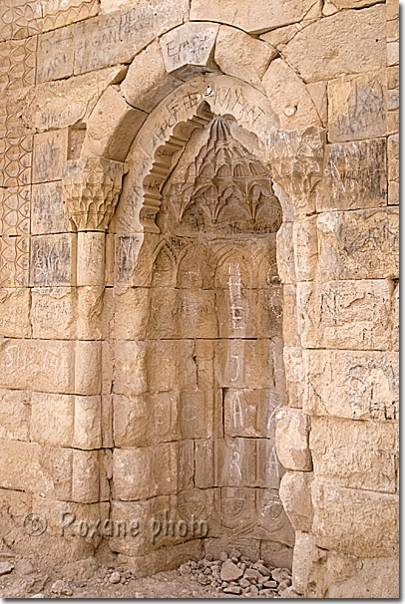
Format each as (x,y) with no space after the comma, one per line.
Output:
(91,188)
(297,161)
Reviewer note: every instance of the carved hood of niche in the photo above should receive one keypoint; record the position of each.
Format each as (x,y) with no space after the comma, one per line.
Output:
(224,186)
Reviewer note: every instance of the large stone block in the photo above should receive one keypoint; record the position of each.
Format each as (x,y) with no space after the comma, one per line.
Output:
(112,127)
(87,422)
(348,315)
(295,494)
(118,37)
(14,312)
(357,455)
(355,176)
(52,419)
(15,414)
(56,53)
(53,313)
(253,17)
(285,253)
(362,244)
(66,102)
(130,368)
(41,365)
(253,55)
(85,476)
(305,242)
(355,522)
(357,107)
(50,153)
(52,260)
(352,385)
(131,312)
(393,169)
(147,82)
(294,375)
(376,578)
(188,50)
(145,420)
(48,212)
(146,472)
(316,55)
(88,368)
(250,364)
(171,365)
(289,97)
(251,413)
(166,558)
(292,439)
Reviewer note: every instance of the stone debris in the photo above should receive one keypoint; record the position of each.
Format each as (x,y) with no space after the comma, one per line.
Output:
(61,588)
(5,568)
(239,576)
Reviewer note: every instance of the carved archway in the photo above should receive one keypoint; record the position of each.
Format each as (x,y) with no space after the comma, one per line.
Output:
(134,235)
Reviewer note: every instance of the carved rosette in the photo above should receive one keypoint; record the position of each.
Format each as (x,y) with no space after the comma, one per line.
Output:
(91,188)
(297,161)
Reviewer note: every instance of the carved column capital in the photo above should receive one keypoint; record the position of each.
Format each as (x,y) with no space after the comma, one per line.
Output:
(297,161)
(91,188)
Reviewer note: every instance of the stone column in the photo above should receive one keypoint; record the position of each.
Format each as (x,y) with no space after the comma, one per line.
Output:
(91,189)
(297,162)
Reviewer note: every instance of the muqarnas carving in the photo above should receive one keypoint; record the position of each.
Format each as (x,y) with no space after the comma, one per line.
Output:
(226,187)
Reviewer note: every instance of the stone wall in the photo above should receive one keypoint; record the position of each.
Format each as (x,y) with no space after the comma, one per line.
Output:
(131,295)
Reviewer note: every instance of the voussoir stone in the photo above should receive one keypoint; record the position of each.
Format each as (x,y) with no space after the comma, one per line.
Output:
(242,56)
(253,16)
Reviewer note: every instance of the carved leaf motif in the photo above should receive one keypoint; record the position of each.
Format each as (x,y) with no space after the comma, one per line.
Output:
(297,162)
(91,189)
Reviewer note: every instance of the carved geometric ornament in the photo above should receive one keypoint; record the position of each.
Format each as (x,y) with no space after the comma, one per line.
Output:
(223,172)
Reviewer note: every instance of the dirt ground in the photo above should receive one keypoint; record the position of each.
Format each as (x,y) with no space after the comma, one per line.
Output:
(23,577)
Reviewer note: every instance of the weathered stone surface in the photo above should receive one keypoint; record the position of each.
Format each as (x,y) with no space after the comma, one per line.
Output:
(289,97)
(349,315)
(48,213)
(112,127)
(17,63)
(352,385)
(55,59)
(355,176)
(50,153)
(305,242)
(146,472)
(295,375)
(147,82)
(253,17)
(357,107)
(295,494)
(292,439)
(377,576)
(52,419)
(64,103)
(53,313)
(88,368)
(14,313)
(253,55)
(118,37)
(188,50)
(85,476)
(361,244)
(87,426)
(230,572)
(41,365)
(361,34)
(15,415)
(357,455)
(285,253)
(393,169)
(355,522)
(52,260)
